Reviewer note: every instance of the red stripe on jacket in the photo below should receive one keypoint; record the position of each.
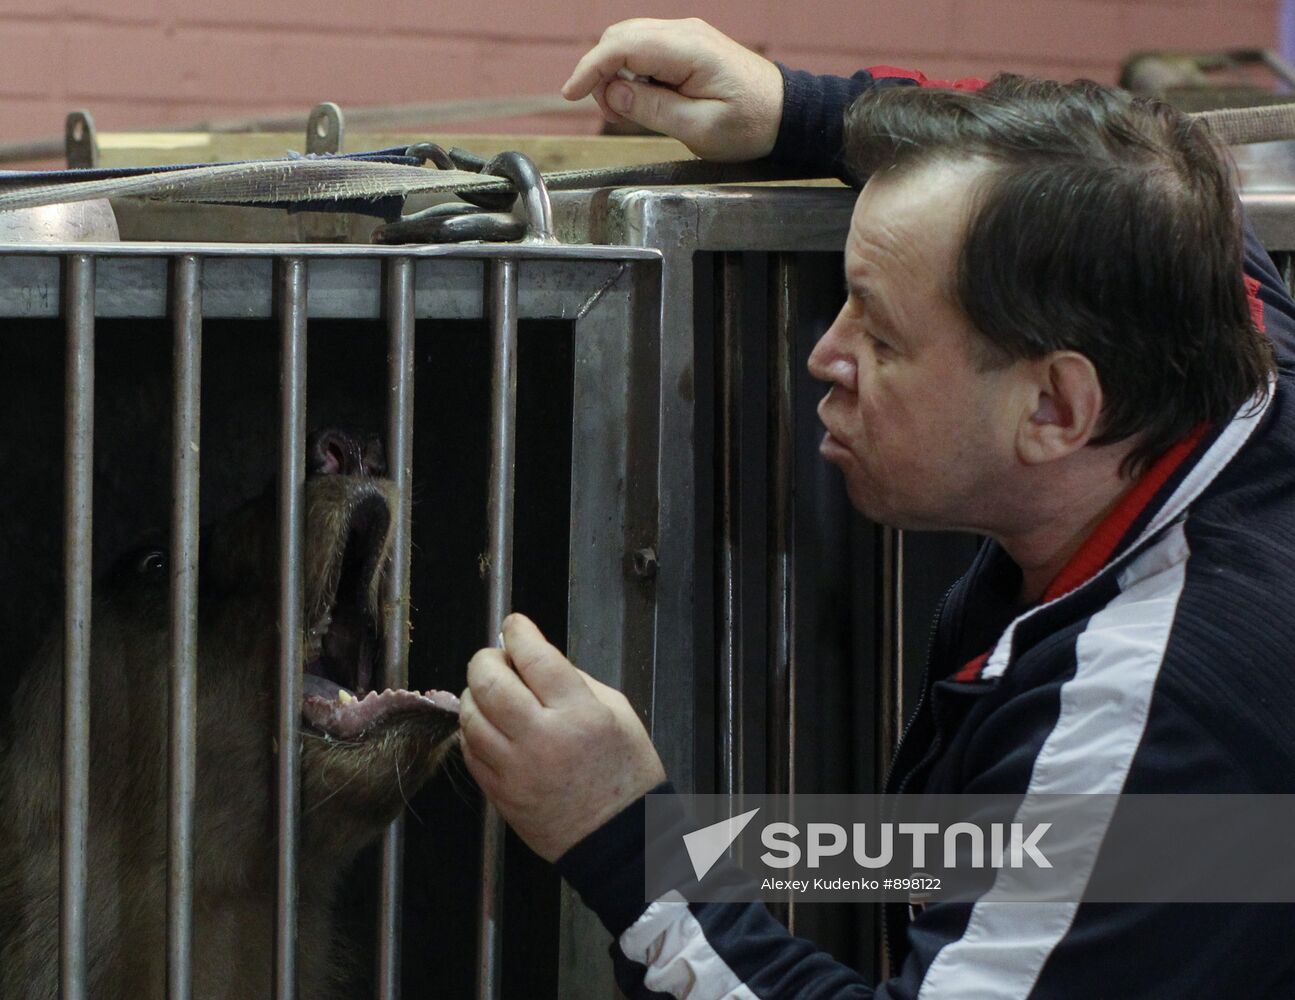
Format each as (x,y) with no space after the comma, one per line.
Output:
(1256,305)
(1097,550)
(1100,546)
(895,72)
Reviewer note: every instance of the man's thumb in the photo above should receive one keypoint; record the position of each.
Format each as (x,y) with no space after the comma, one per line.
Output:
(538,662)
(652,106)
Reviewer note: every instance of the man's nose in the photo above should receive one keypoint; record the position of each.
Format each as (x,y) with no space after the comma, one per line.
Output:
(829,362)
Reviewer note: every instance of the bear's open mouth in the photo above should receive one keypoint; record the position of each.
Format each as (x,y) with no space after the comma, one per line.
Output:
(344,640)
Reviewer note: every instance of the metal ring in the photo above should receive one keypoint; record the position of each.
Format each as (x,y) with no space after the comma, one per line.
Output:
(431,151)
(453,223)
(534,196)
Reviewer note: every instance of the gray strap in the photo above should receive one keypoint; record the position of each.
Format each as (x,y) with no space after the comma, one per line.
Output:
(268,181)
(278,181)
(300,180)
(1240,126)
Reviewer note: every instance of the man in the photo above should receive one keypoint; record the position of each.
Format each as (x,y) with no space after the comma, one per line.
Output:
(1048,340)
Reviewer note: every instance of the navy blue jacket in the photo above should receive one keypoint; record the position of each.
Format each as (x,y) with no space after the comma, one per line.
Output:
(1161,660)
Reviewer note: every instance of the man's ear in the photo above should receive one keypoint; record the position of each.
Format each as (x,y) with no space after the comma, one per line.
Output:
(1064,409)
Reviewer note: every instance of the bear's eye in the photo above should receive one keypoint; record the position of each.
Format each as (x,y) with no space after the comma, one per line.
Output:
(152,563)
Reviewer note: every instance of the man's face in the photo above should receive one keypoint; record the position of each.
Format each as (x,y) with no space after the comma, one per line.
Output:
(924,438)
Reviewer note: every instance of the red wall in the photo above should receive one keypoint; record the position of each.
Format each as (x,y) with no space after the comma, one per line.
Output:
(134,63)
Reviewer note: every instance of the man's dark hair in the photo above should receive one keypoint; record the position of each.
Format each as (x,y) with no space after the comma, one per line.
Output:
(1106,224)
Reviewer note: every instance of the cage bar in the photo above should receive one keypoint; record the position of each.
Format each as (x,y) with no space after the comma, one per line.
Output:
(292,479)
(400,447)
(729,721)
(890,645)
(182,761)
(501,309)
(78,464)
(781,678)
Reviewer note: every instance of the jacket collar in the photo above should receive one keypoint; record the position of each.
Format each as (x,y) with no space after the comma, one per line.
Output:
(1161,496)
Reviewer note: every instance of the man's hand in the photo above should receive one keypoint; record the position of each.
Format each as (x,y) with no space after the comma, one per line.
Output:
(720,99)
(557,752)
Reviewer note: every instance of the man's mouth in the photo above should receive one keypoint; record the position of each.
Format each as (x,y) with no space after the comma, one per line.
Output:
(344,641)
(830,443)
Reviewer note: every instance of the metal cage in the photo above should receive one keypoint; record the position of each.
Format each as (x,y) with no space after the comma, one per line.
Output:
(608,299)
(713,569)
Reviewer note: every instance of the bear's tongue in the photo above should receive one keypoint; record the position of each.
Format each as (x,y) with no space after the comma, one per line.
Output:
(336,712)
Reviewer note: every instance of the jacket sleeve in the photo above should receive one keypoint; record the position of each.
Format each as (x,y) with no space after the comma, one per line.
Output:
(668,947)
(1270,300)
(1041,950)
(812,132)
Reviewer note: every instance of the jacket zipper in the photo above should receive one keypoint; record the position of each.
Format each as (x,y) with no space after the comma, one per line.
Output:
(886,946)
(1121,559)
(926,679)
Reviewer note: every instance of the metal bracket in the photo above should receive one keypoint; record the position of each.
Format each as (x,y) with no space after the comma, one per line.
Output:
(324,129)
(80,144)
(324,133)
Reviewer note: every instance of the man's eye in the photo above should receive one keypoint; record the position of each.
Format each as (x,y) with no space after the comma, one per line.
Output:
(880,347)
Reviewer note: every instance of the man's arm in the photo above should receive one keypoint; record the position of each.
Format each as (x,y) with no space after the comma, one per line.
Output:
(726,102)
(567,763)
(700,950)
(720,99)
(811,134)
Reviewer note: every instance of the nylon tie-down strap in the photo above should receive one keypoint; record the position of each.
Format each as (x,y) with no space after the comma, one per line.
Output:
(349,184)
(377,183)
(1240,126)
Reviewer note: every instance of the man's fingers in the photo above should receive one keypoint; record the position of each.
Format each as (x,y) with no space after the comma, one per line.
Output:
(480,740)
(545,670)
(601,100)
(500,694)
(603,692)
(659,49)
(595,67)
(658,108)
(486,777)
